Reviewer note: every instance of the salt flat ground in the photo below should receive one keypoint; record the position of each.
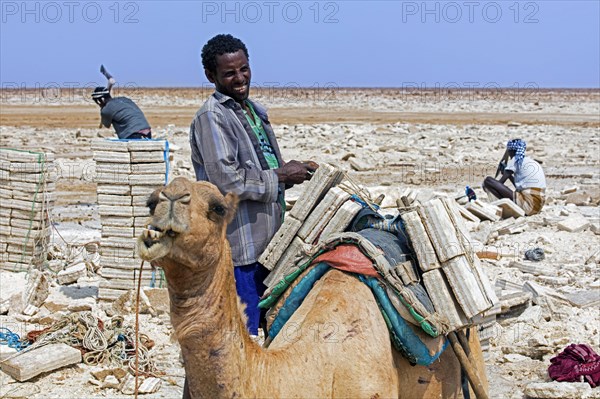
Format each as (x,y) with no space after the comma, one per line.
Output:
(434,141)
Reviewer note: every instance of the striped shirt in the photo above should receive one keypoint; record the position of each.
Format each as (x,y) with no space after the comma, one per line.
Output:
(226,152)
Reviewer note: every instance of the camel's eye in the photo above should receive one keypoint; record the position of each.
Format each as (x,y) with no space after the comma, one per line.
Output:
(218,209)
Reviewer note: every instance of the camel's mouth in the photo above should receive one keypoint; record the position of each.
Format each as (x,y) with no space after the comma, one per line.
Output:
(156,242)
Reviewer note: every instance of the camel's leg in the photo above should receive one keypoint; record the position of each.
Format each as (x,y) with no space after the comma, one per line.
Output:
(186,390)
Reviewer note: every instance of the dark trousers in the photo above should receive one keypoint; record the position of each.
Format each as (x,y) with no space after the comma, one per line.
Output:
(250,287)
(140,136)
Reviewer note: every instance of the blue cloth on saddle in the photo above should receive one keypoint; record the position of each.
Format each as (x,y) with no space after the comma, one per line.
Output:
(299,292)
(403,337)
(396,250)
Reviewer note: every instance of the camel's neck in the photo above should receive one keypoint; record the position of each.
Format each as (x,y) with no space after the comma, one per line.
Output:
(210,329)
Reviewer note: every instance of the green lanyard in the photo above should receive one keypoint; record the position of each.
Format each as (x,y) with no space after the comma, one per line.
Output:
(265,145)
(263,140)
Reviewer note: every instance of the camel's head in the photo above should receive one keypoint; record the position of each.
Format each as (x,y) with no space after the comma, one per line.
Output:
(187,222)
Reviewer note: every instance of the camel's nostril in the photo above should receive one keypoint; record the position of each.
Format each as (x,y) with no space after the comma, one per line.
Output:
(185,199)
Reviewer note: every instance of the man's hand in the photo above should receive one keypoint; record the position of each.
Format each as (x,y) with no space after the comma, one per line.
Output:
(295,172)
(500,169)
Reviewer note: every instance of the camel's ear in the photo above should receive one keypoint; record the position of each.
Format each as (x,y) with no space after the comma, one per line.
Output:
(153,200)
(232,201)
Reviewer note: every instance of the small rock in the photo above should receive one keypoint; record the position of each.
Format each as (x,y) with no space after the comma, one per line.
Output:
(80,305)
(532,314)
(128,384)
(569,190)
(558,390)
(30,310)
(150,385)
(71,273)
(360,165)
(514,358)
(110,382)
(94,382)
(579,198)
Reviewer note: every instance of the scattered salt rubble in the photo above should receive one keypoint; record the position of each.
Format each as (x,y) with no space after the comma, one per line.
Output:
(414,97)
(41,303)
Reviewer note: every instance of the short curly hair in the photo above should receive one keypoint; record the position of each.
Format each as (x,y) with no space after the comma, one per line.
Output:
(219,45)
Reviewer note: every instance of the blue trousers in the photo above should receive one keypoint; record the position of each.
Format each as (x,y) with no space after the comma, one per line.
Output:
(250,287)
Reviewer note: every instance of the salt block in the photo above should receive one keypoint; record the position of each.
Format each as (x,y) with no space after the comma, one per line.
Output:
(147,156)
(533,268)
(280,242)
(34,362)
(443,300)
(468,215)
(146,145)
(441,230)
(584,299)
(341,219)
(109,145)
(114,210)
(323,212)
(513,300)
(286,263)
(114,189)
(315,189)
(147,180)
(420,241)
(467,286)
(574,224)
(148,168)
(111,157)
(509,208)
(484,211)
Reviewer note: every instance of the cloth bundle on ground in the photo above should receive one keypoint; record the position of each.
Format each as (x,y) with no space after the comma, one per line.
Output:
(372,255)
(577,362)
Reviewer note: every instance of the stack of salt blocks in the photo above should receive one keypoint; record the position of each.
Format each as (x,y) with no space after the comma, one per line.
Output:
(27,185)
(127,172)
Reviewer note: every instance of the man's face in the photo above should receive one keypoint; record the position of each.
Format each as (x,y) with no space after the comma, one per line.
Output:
(232,76)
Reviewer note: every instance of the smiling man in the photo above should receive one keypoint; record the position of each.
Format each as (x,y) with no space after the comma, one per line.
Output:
(234,147)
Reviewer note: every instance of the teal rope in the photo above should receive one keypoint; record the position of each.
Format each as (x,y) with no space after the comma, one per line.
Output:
(11,339)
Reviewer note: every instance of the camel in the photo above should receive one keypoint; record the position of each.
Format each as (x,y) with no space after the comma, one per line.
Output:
(336,345)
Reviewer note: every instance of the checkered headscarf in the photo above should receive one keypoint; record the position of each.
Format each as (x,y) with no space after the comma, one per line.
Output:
(519,147)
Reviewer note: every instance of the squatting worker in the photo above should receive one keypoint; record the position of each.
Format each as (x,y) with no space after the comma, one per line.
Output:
(124,115)
(234,147)
(525,174)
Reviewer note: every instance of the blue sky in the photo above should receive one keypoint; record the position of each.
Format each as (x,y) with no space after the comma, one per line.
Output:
(306,43)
